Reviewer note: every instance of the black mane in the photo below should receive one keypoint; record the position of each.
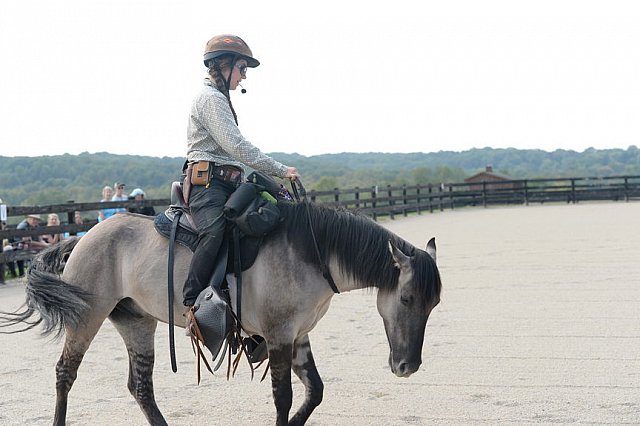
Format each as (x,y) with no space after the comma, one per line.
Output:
(360,245)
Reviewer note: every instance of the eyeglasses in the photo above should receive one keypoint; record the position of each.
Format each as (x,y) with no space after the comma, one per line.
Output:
(242,68)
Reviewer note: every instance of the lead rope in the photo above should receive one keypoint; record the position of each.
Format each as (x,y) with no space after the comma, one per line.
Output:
(323,266)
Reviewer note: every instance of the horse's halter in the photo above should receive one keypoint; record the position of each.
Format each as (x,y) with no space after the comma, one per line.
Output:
(296,185)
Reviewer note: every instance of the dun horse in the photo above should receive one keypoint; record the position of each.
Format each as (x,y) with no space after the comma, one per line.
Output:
(119,271)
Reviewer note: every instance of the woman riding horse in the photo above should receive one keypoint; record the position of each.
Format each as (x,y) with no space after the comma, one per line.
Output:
(216,154)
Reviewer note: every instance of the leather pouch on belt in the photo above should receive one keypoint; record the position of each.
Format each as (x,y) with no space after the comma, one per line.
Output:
(200,173)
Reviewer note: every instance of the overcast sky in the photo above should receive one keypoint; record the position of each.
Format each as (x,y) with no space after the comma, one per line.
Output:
(336,76)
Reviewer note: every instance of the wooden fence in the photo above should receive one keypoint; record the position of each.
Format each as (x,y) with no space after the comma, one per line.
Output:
(378,201)
(395,200)
(66,213)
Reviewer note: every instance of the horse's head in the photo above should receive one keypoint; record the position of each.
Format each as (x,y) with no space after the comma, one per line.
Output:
(406,308)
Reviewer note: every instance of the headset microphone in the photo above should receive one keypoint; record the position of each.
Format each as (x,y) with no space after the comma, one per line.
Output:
(243,89)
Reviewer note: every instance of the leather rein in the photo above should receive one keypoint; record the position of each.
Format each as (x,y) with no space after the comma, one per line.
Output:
(298,191)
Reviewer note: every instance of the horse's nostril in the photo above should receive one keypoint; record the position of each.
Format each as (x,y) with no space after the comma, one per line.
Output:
(405,369)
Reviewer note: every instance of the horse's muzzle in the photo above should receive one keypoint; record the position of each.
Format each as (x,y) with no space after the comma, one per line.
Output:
(403,368)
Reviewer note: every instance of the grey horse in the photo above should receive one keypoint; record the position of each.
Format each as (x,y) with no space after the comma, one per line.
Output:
(118,270)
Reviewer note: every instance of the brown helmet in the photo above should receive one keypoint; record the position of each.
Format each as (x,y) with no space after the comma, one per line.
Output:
(229,44)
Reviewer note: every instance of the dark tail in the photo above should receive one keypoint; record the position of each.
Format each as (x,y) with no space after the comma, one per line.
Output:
(50,301)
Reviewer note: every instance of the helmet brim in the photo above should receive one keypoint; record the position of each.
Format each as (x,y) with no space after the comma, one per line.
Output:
(251,62)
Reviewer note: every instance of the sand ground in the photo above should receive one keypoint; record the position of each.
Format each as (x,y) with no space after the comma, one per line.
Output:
(539,323)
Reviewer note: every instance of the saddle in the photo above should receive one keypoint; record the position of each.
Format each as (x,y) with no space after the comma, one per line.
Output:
(252,212)
(187,236)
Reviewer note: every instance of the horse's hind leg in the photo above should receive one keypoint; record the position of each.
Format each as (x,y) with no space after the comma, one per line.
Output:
(137,331)
(305,368)
(76,343)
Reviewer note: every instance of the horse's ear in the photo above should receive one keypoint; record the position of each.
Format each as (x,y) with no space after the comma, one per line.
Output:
(431,248)
(400,260)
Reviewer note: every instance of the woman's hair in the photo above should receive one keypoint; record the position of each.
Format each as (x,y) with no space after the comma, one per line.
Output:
(215,72)
(52,216)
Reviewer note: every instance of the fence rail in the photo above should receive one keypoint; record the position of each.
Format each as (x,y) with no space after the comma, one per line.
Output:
(394,200)
(378,201)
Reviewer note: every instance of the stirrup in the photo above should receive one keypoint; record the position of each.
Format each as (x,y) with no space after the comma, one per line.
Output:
(256,348)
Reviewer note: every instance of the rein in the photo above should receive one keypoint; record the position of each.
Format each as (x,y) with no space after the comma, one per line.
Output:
(172,243)
(323,266)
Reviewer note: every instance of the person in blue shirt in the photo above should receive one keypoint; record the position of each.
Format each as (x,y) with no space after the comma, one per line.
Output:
(107,194)
(119,195)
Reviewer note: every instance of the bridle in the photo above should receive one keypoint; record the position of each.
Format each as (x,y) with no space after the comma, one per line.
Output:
(298,191)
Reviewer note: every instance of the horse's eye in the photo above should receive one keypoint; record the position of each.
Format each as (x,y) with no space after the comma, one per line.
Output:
(406,300)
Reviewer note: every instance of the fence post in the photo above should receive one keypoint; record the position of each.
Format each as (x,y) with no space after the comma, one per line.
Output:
(441,198)
(336,196)
(357,195)
(313,196)
(430,198)
(404,199)
(451,195)
(626,189)
(374,192)
(418,199)
(3,218)
(484,193)
(70,215)
(526,193)
(573,191)
(391,202)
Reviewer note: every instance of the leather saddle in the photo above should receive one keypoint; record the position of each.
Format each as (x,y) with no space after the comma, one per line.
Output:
(187,235)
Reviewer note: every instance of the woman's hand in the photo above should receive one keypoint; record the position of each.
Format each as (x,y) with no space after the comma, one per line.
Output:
(292,173)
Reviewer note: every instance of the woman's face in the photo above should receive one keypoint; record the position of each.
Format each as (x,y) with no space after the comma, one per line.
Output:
(238,73)
(53,220)
(107,193)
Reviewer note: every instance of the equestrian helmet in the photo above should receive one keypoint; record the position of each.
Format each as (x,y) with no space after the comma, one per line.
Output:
(229,44)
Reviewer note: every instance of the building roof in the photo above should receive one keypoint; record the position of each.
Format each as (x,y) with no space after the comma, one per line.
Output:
(489,172)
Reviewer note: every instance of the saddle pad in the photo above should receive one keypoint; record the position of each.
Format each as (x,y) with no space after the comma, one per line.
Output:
(184,236)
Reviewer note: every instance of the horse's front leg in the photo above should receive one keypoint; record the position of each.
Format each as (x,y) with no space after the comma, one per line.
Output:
(280,358)
(305,368)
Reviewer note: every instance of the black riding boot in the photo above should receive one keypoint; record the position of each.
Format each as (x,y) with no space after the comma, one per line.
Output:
(201,268)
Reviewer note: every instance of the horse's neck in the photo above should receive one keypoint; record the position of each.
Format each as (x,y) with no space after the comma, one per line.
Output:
(344,282)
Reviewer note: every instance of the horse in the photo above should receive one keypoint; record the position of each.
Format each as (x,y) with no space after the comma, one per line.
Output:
(118,270)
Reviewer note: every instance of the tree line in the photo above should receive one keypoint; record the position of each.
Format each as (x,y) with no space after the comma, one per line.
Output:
(61,178)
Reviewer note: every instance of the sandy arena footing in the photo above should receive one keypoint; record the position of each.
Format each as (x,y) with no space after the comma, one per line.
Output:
(539,323)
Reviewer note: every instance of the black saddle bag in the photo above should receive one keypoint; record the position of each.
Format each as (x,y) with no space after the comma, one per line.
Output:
(267,182)
(252,209)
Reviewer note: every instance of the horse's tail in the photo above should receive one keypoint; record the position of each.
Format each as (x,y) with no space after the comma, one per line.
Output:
(54,303)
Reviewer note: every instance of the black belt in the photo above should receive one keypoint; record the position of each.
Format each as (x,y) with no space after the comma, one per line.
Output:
(227,173)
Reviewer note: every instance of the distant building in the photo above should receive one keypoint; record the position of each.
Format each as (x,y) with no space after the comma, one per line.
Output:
(492,179)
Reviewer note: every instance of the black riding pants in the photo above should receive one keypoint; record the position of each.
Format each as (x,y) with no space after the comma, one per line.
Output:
(206,206)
